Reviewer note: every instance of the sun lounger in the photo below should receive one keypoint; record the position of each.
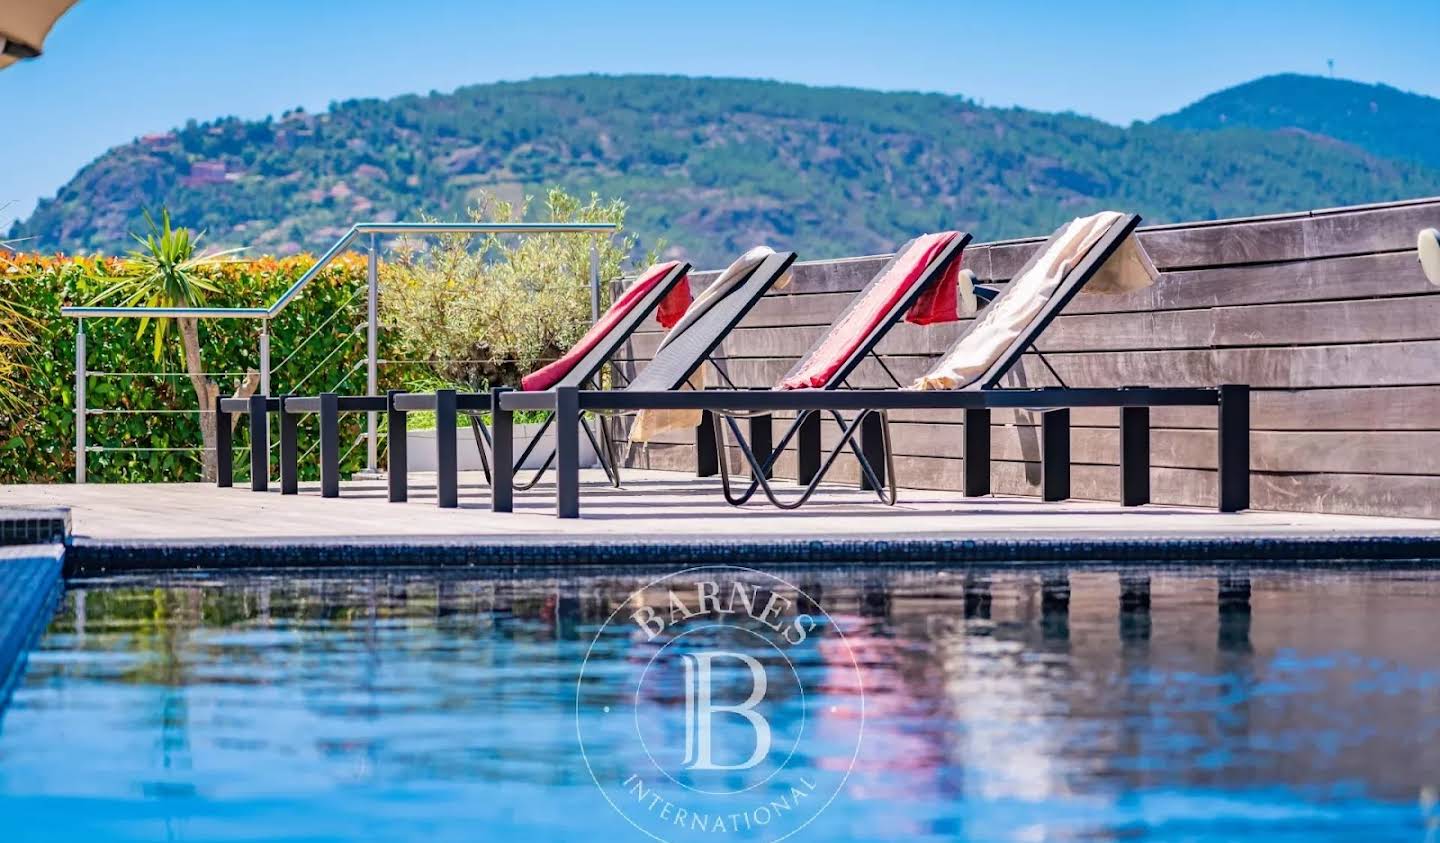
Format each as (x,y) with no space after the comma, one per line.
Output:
(578,367)
(686,349)
(976,394)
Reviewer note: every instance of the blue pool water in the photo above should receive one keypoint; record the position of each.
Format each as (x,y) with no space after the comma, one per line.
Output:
(1017,706)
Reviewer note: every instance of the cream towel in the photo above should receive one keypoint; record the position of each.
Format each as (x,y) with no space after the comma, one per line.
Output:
(648,423)
(1004,320)
(1128,269)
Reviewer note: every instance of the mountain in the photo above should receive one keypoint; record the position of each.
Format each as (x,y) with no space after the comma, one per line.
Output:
(1379,119)
(711,166)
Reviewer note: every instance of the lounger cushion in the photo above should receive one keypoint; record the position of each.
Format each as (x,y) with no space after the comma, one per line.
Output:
(878,300)
(1008,317)
(552,374)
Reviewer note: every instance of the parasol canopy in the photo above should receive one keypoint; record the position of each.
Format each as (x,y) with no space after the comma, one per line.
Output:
(24,25)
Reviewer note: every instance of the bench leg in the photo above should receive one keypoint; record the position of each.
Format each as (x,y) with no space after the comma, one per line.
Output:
(329,445)
(259,445)
(447,466)
(567,452)
(976,459)
(1134,456)
(872,445)
(762,441)
(1055,454)
(1234,440)
(807,448)
(706,460)
(289,452)
(224,449)
(502,451)
(397,464)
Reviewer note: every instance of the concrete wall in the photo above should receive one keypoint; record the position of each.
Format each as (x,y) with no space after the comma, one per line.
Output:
(1325,313)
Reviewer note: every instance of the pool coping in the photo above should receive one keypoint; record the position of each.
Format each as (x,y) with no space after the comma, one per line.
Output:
(91,557)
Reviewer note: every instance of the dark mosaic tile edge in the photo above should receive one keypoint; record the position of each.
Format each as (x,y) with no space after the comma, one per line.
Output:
(33,525)
(89,558)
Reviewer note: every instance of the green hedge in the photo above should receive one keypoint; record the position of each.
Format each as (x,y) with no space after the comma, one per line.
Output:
(37,438)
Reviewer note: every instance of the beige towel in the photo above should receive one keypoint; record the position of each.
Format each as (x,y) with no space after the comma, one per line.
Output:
(1128,269)
(1004,320)
(649,423)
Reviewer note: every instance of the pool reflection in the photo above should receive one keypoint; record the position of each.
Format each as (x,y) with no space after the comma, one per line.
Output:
(999,704)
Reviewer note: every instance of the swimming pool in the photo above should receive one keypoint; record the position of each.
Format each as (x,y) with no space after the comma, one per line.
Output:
(997,705)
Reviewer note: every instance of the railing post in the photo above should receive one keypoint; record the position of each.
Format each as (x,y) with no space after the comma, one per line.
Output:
(372,369)
(594,279)
(264,356)
(80,401)
(265,379)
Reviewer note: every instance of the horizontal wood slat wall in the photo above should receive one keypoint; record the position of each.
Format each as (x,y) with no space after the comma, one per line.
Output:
(1325,313)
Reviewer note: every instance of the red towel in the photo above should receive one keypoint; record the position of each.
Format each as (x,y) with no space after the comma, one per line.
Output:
(938,303)
(847,335)
(552,374)
(674,305)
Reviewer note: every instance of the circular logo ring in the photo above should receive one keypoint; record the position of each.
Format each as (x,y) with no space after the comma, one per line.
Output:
(658,809)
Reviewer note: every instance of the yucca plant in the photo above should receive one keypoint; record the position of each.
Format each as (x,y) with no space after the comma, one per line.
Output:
(164,272)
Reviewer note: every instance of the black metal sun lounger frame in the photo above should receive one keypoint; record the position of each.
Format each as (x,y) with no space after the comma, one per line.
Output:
(329,406)
(976,400)
(670,369)
(872,452)
(1232,403)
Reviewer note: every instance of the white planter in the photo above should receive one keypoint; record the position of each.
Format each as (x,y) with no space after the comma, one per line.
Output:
(420,445)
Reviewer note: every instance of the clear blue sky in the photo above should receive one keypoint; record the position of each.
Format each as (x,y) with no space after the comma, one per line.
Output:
(115,69)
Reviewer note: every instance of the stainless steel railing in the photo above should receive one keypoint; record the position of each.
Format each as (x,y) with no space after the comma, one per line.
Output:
(265,314)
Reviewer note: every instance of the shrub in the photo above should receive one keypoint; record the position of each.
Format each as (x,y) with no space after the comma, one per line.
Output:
(482,310)
(37,434)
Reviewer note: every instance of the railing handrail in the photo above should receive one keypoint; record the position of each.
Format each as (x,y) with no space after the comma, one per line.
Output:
(88,311)
(372,284)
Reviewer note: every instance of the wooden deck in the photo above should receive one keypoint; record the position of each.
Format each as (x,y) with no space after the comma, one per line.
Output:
(669,517)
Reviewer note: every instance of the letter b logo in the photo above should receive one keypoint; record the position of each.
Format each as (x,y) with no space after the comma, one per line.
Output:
(700,710)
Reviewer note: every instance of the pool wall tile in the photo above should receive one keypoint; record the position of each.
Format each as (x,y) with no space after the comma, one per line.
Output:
(30,586)
(24,525)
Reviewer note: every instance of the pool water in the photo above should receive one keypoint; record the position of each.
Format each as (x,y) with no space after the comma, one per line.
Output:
(1022,705)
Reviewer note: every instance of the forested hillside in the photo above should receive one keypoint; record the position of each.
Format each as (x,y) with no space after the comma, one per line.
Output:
(711,166)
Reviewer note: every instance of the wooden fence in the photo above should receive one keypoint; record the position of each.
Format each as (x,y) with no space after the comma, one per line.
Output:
(1326,314)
